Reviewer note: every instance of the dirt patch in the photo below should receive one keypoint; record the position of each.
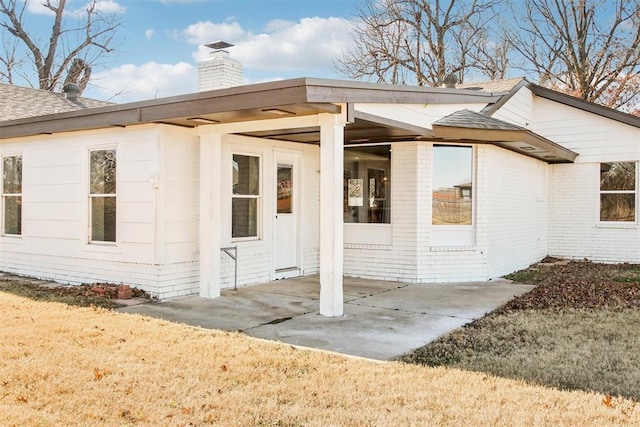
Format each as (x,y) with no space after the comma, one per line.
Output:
(103,295)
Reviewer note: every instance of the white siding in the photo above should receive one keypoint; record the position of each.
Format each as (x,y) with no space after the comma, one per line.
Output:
(255,257)
(422,115)
(54,237)
(179,207)
(594,138)
(574,228)
(518,109)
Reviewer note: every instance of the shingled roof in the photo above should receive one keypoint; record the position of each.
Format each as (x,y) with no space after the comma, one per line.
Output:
(472,120)
(472,126)
(504,85)
(20,102)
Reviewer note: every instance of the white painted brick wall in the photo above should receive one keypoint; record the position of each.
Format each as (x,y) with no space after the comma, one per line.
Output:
(510,223)
(575,231)
(514,210)
(574,202)
(396,261)
(164,281)
(219,72)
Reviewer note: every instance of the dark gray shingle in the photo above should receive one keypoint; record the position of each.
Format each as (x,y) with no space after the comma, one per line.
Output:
(20,102)
(472,120)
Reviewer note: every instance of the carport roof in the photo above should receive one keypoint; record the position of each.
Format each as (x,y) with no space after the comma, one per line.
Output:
(296,97)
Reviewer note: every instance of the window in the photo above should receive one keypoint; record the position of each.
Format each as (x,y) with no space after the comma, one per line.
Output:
(102,195)
(285,189)
(245,200)
(367,184)
(452,185)
(618,191)
(12,195)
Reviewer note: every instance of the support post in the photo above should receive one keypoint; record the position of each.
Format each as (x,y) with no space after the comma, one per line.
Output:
(210,213)
(331,222)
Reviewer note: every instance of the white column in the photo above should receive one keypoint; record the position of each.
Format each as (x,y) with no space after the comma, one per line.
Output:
(210,213)
(331,222)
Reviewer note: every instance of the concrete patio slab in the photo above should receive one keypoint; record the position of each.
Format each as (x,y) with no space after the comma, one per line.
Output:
(383,320)
(233,311)
(371,332)
(468,300)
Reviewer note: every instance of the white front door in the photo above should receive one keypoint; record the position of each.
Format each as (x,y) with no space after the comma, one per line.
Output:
(287,216)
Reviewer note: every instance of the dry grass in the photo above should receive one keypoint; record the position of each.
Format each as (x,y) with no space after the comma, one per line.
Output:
(578,329)
(573,349)
(90,366)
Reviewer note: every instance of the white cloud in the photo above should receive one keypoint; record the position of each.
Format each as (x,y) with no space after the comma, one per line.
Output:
(207,32)
(149,33)
(139,82)
(104,6)
(36,7)
(283,49)
(282,46)
(277,24)
(109,6)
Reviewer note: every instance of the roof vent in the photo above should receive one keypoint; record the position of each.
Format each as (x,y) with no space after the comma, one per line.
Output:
(450,80)
(71,91)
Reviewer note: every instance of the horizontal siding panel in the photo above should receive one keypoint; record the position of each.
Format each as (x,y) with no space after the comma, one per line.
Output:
(136,232)
(52,211)
(594,137)
(54,193)
(54,229)
(143,212)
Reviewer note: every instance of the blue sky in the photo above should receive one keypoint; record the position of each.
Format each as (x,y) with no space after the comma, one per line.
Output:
(160,41)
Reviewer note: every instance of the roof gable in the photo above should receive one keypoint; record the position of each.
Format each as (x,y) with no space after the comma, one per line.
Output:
(514,85)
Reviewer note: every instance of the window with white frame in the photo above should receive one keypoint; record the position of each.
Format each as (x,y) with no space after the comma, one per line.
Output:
(102,195)
(245,199)
(452,185)
(618,191)
(12,195)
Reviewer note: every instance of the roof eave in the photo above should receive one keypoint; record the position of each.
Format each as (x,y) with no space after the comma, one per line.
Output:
(310,95)
(584,105)
(521,141)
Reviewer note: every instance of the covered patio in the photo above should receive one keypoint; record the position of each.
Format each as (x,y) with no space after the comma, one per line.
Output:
(382,320)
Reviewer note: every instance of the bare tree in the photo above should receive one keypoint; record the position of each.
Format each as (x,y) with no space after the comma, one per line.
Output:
(587,48)
(419,41)
(490,55)
(76,40)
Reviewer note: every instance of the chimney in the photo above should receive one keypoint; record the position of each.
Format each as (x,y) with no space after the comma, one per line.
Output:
(71,91)
(219,71)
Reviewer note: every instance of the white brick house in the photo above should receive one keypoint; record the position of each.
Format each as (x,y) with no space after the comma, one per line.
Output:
(311,176)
